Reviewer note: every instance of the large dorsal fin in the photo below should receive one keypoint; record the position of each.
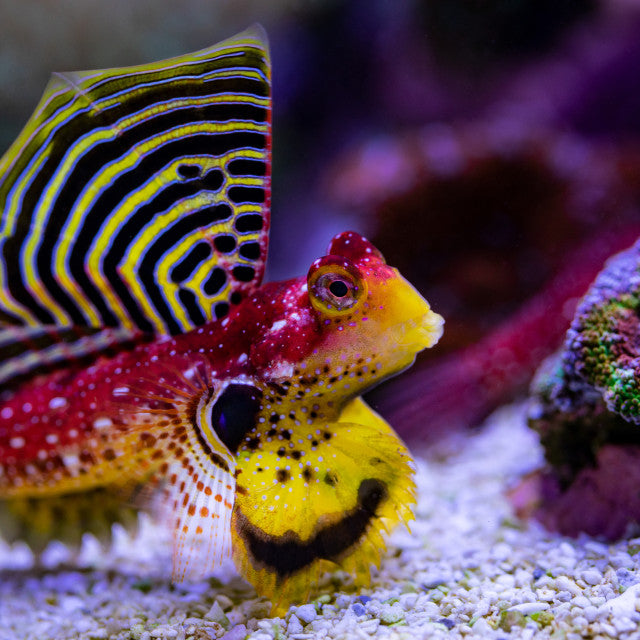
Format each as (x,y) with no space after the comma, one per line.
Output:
(139,197)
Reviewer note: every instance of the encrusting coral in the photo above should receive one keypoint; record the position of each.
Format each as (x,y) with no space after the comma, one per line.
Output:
(587,408)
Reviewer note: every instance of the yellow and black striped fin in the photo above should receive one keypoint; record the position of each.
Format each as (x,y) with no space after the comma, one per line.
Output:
(139,197)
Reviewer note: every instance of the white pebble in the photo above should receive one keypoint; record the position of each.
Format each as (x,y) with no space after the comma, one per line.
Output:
(481,627)
(591,576)
(343,601)
(579,622)
(216,614)
(590,613)
(294,626)
(466,557)
(239,632)
(225,602)
(567,550)
(566,584)
(390,614)
(306,613)
(502,551)
(527,608)
(164,632)
(624,624)
(580,601)
(408,600)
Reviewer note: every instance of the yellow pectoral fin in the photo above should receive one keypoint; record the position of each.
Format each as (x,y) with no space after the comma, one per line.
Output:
(326,500)
(359,412)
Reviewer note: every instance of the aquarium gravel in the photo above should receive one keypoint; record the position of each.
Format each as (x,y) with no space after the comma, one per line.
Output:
(469,568)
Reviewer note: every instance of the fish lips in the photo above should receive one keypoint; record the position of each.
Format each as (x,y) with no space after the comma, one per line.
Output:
(419,333)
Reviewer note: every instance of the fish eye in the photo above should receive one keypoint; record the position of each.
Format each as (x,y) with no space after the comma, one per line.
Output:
(335,285)
(339,288)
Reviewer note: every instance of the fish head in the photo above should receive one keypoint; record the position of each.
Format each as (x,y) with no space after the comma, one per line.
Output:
(354,319)
(371,320)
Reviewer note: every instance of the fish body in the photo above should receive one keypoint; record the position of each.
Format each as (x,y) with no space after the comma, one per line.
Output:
(245,428)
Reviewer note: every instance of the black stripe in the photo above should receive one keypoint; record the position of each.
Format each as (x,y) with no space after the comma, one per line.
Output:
(250,250)
(166,198)
(287,554)
(246,167)
(217,459)
(46,337)
(249,222)
(215,144)
(224,243)
(221,310)
(241,194)
(9,318)
(163,243)
(110,200)
(243,273)
(214,283)
(188,265)
(190,303)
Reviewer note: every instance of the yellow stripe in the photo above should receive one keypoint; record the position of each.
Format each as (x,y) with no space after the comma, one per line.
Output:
(129,206)
(39,221)
(136,252)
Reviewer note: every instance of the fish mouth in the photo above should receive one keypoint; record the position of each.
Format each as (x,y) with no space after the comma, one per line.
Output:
(420,333)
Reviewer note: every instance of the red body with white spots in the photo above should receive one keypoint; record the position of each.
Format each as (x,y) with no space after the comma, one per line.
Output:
(55,427)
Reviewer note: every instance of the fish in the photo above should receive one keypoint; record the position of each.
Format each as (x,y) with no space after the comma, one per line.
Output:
(144,364)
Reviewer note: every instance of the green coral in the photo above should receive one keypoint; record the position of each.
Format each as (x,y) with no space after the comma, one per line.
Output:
(588,396)
(604,354)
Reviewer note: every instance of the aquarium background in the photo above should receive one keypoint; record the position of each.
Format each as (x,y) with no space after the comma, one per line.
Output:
(489,149)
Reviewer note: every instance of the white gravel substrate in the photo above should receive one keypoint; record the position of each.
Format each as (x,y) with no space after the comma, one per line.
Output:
(467,569)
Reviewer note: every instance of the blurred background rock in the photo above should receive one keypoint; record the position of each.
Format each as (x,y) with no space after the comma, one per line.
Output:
(489,148)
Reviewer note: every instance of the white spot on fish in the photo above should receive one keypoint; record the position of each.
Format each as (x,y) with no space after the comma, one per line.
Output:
(277,325)
(70,460)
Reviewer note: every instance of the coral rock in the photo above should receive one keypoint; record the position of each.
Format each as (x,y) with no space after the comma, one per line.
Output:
(587,409)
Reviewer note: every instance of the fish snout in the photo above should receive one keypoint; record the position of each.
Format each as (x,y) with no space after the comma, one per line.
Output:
(421,332)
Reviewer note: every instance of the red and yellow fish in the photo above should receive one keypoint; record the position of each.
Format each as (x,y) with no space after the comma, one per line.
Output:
(138,349)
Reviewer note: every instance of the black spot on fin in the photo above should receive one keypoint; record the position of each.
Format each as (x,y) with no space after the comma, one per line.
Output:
(287,554)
